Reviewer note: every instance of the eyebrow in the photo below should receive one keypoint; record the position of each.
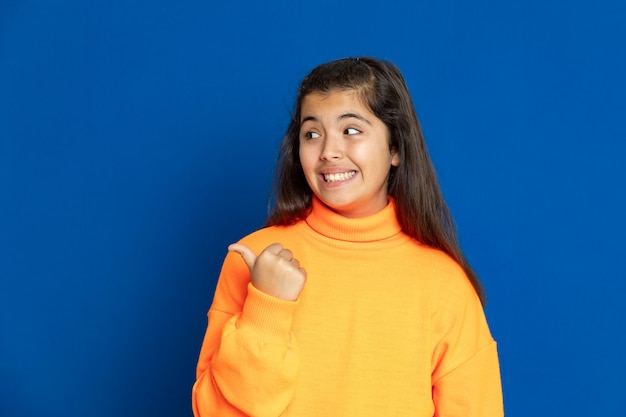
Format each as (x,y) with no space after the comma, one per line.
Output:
(343,116)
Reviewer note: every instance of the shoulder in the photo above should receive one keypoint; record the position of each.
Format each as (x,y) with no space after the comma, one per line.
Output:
(234,275)
(434,262)
(448,282)
(262,238)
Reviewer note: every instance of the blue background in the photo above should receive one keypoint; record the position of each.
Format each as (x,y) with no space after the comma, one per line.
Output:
(138,139)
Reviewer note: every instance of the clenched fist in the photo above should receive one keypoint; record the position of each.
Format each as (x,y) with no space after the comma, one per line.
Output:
(275,271)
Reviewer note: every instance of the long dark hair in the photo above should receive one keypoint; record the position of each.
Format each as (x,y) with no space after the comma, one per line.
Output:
(420,207)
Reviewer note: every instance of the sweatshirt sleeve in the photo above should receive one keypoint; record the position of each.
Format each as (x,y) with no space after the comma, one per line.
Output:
(466,373)
(249,357)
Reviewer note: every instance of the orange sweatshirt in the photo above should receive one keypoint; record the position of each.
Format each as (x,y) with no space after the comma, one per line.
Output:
(385,326)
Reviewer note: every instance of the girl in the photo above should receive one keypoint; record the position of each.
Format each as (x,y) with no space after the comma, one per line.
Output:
(355,300)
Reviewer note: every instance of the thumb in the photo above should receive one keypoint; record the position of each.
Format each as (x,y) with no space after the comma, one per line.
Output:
(246,253)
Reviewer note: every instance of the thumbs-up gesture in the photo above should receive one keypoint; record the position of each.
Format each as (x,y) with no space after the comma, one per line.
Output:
(275,271)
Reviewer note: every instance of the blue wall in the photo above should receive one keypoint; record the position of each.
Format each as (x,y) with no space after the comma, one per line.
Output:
(137,140)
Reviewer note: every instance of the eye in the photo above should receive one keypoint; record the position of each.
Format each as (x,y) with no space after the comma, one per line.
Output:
(351,131)
(311,135)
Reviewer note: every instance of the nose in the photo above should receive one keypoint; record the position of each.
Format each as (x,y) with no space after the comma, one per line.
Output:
(333,148)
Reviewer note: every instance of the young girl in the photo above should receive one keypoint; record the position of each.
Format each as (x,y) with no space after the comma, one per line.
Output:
(355,300)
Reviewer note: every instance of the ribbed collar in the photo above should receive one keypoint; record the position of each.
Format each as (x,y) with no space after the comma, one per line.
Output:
(378,226)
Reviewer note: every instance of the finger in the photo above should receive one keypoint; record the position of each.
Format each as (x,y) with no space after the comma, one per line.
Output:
(286,254)
(274,249)
(278,250)
(246,253)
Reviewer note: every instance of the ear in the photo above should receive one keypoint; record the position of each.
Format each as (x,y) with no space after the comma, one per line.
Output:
(395,158)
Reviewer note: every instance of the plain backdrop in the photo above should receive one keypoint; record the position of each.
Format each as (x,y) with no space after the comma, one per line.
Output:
(138,139)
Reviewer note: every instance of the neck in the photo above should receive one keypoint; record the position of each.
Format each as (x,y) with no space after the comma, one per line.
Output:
(378,226)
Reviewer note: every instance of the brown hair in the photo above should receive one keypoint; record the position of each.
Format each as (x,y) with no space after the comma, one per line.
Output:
(420,207)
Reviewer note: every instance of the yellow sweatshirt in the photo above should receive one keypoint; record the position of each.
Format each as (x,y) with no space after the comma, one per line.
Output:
(385,326)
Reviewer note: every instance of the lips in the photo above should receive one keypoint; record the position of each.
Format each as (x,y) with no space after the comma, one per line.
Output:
(339,176)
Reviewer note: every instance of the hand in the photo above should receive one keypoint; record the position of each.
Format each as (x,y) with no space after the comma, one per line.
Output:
(275,271)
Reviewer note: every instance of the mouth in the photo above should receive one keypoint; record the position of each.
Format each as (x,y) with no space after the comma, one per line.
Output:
(339,176)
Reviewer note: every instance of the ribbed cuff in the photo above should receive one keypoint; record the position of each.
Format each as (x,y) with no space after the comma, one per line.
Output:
(270,318)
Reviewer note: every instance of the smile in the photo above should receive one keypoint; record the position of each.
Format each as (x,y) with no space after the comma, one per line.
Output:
(339,177)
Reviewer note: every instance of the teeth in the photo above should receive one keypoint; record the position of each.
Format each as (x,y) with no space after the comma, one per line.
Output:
(339,177)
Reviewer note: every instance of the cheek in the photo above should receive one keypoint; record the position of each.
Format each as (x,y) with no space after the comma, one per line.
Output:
(305,159)
(371,154)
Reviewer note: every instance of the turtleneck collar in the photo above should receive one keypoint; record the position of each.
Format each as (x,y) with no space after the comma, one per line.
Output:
(378,226)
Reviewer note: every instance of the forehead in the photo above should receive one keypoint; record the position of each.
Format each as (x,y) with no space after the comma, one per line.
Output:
(334,101)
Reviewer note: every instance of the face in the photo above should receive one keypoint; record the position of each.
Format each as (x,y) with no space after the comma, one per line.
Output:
(344,152)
